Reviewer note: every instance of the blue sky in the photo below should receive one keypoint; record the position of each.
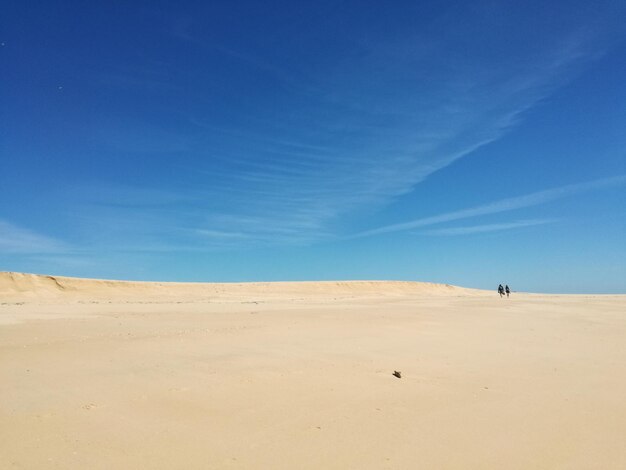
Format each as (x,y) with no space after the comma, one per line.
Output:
(464,142)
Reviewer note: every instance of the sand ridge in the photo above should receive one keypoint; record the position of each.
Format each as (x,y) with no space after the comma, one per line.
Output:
(23,287)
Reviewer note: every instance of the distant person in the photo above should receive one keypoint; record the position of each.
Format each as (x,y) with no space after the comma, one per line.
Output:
(500,290)
(507,290)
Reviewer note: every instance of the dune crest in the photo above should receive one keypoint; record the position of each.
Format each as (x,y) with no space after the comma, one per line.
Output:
(26,286)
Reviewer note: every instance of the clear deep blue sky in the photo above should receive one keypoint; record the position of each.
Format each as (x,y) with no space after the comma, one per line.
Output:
(463,142)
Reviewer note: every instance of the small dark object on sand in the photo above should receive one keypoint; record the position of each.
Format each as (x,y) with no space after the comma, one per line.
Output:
(397,373)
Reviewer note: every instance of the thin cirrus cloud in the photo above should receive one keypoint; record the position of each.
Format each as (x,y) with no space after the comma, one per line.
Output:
(19,240)
(360,129)
(503,205)
(364,143)
(342,131)
(485,228)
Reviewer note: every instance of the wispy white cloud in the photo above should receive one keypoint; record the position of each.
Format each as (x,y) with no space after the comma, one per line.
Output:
(503,205)
(217,234)
(468,230)
(385,143)
(14,239)
(338,133)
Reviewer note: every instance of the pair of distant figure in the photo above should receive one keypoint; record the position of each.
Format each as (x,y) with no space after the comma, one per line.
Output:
(503,290)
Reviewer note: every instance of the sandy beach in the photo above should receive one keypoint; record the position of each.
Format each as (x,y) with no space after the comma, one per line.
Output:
(125,375)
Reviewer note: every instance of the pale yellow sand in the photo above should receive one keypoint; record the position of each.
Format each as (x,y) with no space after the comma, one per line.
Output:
(110,375)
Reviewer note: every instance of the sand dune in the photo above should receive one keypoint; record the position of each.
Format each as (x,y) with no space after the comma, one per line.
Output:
(110,374)
(22,286)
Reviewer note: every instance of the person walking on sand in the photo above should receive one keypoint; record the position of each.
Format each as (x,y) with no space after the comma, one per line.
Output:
(507,290)
(500,290)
